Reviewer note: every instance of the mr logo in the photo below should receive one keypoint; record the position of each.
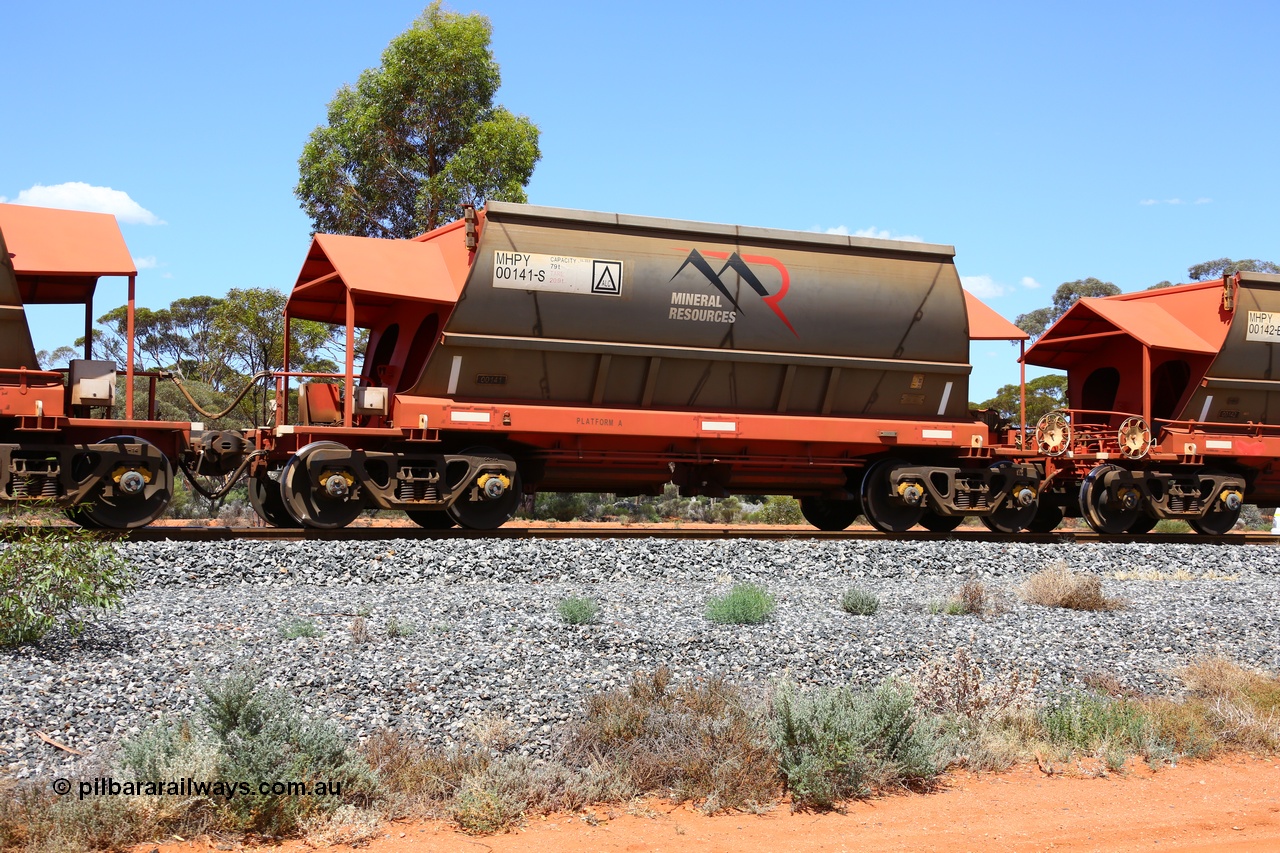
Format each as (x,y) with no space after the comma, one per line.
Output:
(739,264)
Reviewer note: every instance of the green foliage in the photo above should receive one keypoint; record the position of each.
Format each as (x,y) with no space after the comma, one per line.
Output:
(417,136)
(859,602)
(745,604)
(1044,394)
(1035,322)
(837,743)
(248,733)
(55,576)
(576,610)
(778,509)
(1225,266)
(1088,723)
(297,627)
(397,629)
(215,344)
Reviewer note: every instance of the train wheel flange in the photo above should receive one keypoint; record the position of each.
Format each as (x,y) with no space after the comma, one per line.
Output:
(268,503)
(316,504)
(1046,519)
(935,523)
(491,499)
(884,513)
(1145,523)
(132,494)
(1104,511)
(431,519)
(829,514)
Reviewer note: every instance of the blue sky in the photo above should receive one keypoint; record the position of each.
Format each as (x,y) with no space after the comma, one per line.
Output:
(1046,142)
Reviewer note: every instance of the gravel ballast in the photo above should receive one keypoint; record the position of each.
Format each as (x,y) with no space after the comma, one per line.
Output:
(487,642)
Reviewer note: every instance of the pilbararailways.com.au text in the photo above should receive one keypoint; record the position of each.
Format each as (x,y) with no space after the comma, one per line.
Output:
(106,786)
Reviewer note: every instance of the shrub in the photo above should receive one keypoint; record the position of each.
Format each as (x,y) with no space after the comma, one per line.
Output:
(837,743)
(1088,723)
(297,627)
(696,742)
(397,629)
(1057,586)
(958,688)
(973,599)
(261,736)
(859,602)
(778,509)
(57,575)
(745,604)
(359,630)
(576,610)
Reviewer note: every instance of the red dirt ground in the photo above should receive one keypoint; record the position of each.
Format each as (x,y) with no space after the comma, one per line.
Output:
(1230,805)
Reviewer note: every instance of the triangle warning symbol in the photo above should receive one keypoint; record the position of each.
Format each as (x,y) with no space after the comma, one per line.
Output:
(605,280)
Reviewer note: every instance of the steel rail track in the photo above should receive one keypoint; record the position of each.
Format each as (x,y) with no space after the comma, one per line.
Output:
(619,531)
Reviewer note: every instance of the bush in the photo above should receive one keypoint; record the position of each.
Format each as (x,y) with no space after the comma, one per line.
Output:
(837,743)
(973,599)
(745,604)
(859,602)
(1114,728)
(397,629)
(297,627)
(778,509)
(696,742)
(261,736)
(55,576)
(576,610)
(1057,586)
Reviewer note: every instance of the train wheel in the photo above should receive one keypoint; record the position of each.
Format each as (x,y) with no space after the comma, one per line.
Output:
(1220,518)
(1144,524)
(484,505)
(431,519)
(877,502)
(328,505)
(133,495)
(1011,516)
(1104,512)
(935,523)
(1046,519)
(828,514)
(268,503)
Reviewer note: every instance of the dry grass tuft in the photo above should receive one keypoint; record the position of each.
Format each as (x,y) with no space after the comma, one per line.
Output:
(1058,586)
(695,742)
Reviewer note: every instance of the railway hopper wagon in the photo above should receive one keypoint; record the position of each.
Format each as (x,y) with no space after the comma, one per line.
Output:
(1174,407)
(526,349)
(60,443)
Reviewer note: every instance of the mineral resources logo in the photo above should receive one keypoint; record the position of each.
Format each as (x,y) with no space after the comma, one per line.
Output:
(709,307)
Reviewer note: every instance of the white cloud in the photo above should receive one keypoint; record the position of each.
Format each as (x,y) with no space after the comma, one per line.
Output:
(982,286)
(1028,281)
(1147,202)
(872,232)
(147,263)
(77,195)
(1204,201)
